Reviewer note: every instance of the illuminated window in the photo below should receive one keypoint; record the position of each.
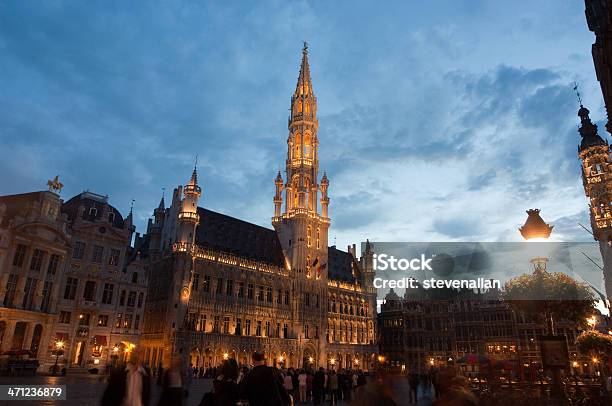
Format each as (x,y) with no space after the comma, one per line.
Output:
(307,146)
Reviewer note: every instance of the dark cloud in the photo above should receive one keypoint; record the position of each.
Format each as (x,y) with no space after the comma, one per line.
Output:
(119,98)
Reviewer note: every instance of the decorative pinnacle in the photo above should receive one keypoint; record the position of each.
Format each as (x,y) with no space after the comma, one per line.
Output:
(305,50)
(577,94)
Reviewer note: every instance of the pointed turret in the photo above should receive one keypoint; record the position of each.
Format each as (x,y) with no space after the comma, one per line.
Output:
(304,84)
(188,216)
(588,131)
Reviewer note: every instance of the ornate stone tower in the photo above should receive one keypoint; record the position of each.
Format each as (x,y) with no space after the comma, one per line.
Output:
(599,19)
(188,218)
(594,152)
(301,229)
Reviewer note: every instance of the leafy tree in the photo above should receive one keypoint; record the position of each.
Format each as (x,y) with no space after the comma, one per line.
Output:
(594,342)
(546,296)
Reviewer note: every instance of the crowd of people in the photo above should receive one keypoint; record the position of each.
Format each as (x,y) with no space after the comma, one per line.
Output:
(259,385)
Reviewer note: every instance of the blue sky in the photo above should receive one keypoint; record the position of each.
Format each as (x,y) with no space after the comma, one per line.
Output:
(440,120)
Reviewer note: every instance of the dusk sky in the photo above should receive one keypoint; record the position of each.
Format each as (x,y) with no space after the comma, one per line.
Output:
(438,120)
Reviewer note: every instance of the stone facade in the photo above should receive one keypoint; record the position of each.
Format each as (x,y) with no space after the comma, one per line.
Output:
(68,274)
(422,330)
(221,287)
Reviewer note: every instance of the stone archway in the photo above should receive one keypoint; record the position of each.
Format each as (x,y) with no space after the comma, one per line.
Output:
(309,357)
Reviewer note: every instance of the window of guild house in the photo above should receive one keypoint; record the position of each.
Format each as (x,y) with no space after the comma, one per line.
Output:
(111,217)
(306,335)
(103,320)
(19,257)
(37,260)
(267,329)
(285,331)
(269,294)
(137,322)
(279,297)
(71,287)
(219,286)
(216,324)
(307,299)
(277,330)
(140,299)
(238,329)
(89,292)
(113,258)
(28,297)
(118,320)
(128,321)
(46,296)
(247,328)
(250,291)
(229,291)
(11,288)
(260,293)
(195,282)
(131,302)
(78,250)
(64,317)
(107,293)
(206,284)
(84,319)
(226,321)
(53,264)
(96,256)
(287,297)
(135,277)
(258,329)
(240,289)
(122,298)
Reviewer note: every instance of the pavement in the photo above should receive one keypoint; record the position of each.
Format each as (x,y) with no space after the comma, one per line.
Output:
(86,390)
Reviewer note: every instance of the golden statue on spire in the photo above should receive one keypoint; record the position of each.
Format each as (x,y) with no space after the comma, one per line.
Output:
(55,185)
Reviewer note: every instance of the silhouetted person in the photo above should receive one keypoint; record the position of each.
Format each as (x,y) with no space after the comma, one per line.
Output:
(263,386)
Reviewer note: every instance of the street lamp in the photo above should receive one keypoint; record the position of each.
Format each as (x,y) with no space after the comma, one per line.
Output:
(59,345)
(225,355)
(592,322)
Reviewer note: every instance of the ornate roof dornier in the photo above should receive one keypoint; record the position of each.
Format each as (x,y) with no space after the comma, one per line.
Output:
(189,206)
(594,152)
(588,131)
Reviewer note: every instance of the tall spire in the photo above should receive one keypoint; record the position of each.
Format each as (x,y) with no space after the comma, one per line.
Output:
(304,83)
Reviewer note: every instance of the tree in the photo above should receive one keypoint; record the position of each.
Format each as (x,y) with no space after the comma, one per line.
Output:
(546,296)
(594,343)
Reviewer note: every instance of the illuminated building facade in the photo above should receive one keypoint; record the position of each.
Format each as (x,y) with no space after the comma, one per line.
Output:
(594,151)
(421,330)
(221,287)
(68,277)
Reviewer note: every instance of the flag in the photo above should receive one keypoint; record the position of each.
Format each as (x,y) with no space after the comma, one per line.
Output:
(320,268)
(316,261)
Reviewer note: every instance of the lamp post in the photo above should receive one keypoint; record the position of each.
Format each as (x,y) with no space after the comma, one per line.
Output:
(59,346)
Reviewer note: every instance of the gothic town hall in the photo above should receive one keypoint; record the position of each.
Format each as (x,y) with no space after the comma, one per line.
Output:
(220,287)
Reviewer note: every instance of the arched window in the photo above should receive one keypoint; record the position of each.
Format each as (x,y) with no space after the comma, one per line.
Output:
(309,236)
(135,277)
(307,146)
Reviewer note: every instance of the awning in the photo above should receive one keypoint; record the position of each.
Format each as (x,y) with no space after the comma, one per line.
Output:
(99,340)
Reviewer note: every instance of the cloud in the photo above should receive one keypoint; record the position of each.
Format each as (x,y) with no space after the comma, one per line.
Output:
(428,128)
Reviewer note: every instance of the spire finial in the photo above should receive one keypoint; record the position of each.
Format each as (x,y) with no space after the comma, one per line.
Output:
(132,206)
(195,166)
(577,93)
(305,50)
